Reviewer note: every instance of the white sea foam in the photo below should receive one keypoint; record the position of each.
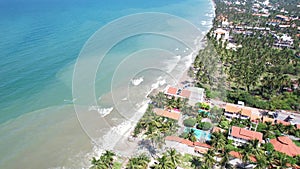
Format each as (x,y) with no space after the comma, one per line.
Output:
(115,134)
(177,49)
(102,111)
(70,101)
(160,82)
(137,81)
(203,23)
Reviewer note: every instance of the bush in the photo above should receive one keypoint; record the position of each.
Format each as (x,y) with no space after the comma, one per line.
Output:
(203,106)
(231,147)
(268,147)
(277,133)
(261,127)
(224,124)
(204,126)
(190,122)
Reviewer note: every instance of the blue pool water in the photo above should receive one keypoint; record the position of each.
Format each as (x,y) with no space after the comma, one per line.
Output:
(200,134)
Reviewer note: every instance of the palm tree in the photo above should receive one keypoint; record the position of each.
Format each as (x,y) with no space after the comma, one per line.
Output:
(268,130)
(218,141)
(246,154)
(97,164)
(281,161)
(108,158)
(160,100)
(261,162)
(255,148)
(139,162)
(105,161)
(164,163)
(225,158)
(191,136)
(174,156)
(208,158)
(196,162)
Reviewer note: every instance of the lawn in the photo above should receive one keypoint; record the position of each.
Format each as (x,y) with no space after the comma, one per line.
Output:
(297,142)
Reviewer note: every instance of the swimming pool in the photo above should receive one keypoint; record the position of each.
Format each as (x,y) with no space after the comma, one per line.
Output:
(200,134)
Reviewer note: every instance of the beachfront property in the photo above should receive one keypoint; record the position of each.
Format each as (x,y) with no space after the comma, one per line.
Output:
(241,136)
(285,145)
(193,94)
(172,114)
(187,146)
(242,112)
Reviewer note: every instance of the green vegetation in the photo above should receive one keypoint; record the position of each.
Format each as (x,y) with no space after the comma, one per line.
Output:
(190,122)
(139,162)
(257,73)
(104,162)
(297,143)
(203,106)
(204,126)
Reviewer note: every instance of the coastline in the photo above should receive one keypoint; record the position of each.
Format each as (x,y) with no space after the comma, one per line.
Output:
(127,146)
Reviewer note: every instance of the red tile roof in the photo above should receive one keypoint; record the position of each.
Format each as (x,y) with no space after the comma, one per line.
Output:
(174,138)
(172,90)
(186,142)
(164,113)
(185,93)
(239,155)
(298,126)
(267,119)
(285,145)
(246,112)
(231,108)
(255,117)
(283,122)
(245,134)
(201,145)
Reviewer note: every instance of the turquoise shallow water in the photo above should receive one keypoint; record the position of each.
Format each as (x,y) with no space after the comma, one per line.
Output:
(40,41)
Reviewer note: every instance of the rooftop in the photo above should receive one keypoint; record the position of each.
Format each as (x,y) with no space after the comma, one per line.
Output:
(283,122)
(245,134)
(171,90)
(232,108)
(164,113)
(285,145)
(187,142)
(239,155)
(185,93)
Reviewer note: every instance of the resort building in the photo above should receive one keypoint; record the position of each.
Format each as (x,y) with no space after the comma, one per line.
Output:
(171,91)
(193,94)
(285,123)
(268,119)
(241,136)
(186,146)
(285,145)
(238,111)
(169,114)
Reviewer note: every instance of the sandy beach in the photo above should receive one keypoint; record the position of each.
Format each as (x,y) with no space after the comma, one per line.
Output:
(128,146)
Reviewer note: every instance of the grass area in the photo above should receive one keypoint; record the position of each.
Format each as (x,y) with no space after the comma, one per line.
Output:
(117,165)
(297,143)
(185,161)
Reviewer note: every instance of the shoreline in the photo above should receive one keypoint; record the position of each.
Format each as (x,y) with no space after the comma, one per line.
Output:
(127,146)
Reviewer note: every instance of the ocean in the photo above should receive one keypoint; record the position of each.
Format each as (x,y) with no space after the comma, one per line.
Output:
(48,118)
